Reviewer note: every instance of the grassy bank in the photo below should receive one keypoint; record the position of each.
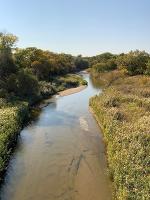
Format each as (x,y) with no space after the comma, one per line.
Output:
(14,114)
(12,118)
(61,83)
(123,112)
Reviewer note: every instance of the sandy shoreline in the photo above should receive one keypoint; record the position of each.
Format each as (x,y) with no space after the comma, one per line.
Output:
(72,90)
(66,92)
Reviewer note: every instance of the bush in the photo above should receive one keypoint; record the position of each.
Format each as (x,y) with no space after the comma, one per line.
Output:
(84,82)
(104,67)
(27,86)
(125,121)
(46,89)
(68,81)
(11,120)
(134,62)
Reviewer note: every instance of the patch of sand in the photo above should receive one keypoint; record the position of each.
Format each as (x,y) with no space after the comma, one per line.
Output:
(72,90)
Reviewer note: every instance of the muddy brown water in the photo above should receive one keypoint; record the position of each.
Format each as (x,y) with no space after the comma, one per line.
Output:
(60,155)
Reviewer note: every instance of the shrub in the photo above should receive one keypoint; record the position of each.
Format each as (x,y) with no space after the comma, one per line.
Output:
(11,120)
(67,81)
(134,62)
(104,67)
(46,89)
(125,121)
(84,82)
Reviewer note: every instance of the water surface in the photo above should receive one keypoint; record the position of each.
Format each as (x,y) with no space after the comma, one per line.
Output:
(60,155)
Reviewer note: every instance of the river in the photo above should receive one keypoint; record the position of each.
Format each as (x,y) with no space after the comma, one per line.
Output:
(60,155)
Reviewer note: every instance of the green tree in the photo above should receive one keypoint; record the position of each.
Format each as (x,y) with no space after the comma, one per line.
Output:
(42,69)
(25,57)
(81,63)
(27,85)
(7,41)
(7,65)
(134,62)
(104,67)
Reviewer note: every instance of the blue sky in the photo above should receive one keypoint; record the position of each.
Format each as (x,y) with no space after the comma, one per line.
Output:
(86,27)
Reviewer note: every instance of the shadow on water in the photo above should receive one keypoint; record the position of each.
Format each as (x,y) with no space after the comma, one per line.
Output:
(60,155)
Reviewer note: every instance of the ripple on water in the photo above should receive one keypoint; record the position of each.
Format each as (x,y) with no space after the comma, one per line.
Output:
(83,123)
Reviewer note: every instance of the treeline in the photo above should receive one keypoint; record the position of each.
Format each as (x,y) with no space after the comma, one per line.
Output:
(25,73)
(132,63)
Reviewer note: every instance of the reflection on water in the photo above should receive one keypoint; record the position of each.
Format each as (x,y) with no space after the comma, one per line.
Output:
(60,156)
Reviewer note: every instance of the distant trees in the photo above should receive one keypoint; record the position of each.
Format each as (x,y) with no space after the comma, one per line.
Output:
(105,66)
(7,41)
(14,81)
(45,64)
(103,62)
(102,58)
(133,63)
(27,73)
(7,65)
(81,63)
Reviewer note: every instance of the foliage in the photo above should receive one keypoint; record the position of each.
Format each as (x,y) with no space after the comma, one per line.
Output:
(123,113)
(102,58)
(27,86)
(7,40)
(11,120)
(46,89)
(134,62)
(67,81)
(104,67)
(148,68)
(45,64)
(27,74)
(81,63)
(83,82)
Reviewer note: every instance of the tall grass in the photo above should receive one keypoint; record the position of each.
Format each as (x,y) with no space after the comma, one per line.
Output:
(123,113)
(11,120)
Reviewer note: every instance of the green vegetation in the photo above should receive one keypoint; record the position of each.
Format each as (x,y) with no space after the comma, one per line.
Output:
(122,110)
(26,77)
(11,121)
(103,62)
(133,63)
(123,113)
(28,74)
(68,81)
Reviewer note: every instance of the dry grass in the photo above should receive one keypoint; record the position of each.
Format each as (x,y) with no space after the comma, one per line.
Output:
(123,111)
